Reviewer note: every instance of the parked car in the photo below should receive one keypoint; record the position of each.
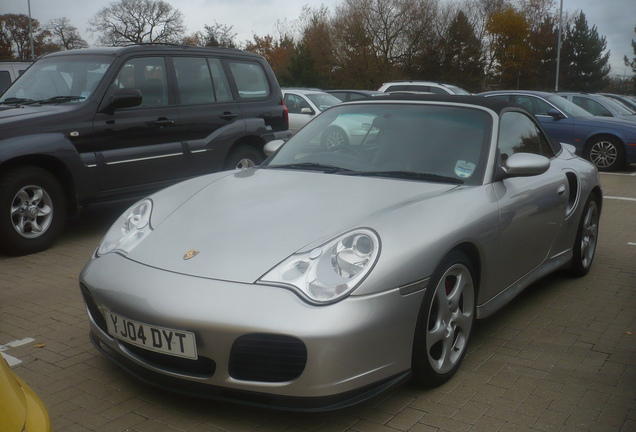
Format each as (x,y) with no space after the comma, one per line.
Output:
(349,95)
(368,268)
(305,104)
(421,87)
(626,100)
(609,143)
(107,124)
(599,105)
(10,71)
(21,410)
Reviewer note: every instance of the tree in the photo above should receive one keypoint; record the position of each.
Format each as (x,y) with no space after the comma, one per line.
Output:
(462,58)
(632,63)
(15,41)
(220,35)
(509,31)
(138,21)
(65,35)
(277,53)
(585,66)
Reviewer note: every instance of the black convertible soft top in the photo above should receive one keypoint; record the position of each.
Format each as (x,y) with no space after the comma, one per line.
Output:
(495,104)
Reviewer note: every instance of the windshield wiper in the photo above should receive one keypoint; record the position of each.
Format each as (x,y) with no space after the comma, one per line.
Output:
(13,100)
(408,175)
(54,99)
(312,167)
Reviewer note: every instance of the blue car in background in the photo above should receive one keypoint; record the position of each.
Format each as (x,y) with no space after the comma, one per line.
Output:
(600,105)
(607,142)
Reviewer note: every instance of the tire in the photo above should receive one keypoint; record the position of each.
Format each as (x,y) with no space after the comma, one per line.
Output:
(243,157)
(32,210)
(445,321)
(606,153)
(334,138)
(584,247)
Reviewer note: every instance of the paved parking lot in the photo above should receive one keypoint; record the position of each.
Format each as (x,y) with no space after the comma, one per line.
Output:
(561,357)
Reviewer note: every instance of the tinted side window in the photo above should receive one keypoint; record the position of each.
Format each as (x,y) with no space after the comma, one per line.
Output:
(519,134)
(591,106)
(221,86)
(437,90)
(533,104)
(295,103)
(5,80)
(341,95)
(399,87)
(193,80)
(148,74)
(250,79)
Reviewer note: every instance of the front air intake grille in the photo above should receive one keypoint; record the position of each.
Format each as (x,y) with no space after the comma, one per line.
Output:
(93,310)
(267,358)
(202,367)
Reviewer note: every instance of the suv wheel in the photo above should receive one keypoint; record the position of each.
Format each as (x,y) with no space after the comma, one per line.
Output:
(32,210)
(243,157)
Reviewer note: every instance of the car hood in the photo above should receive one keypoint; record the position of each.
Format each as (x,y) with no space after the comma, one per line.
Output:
(245,223)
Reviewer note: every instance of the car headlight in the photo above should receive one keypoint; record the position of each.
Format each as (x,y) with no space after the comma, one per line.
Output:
(331,271)
(129,230)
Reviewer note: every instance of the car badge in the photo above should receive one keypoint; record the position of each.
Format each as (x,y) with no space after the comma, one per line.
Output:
(190,254)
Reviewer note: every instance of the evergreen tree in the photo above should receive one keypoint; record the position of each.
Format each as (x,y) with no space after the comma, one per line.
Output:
(585,65)
(632,63)
(302,68)
(462,62)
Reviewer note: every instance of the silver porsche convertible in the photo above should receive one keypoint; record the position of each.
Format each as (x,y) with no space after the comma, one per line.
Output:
(330,273)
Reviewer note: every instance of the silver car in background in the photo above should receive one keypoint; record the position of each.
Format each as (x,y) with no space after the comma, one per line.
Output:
(331,273)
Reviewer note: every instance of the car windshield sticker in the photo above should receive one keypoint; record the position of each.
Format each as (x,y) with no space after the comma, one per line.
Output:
(464,169)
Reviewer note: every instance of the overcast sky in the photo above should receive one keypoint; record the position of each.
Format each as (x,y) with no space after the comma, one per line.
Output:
(614,19)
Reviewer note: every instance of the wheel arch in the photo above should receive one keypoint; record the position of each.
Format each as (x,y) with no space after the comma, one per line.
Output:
(592,138)
(472,252)
(256,142)
(53,165)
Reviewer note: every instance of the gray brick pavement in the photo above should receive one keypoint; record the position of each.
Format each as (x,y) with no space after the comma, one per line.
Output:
(561,357)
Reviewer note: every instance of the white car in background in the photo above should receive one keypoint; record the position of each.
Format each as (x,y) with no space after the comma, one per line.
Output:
(305,104)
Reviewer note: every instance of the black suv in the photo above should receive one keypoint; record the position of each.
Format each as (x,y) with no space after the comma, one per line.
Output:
(110,124)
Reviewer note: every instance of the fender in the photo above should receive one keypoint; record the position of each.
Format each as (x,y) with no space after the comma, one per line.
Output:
(49,147)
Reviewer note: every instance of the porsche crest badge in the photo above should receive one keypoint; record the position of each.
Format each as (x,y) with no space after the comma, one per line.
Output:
(190,254)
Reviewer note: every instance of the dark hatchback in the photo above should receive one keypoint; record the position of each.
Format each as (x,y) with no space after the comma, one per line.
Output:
(110,124)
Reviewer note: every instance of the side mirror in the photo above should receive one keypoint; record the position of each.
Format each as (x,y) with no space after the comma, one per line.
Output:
(306,111)
(525,164)
(555,114)
(272,146)
(123,98)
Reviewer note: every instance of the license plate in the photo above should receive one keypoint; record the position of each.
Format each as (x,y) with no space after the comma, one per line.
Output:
(163,340)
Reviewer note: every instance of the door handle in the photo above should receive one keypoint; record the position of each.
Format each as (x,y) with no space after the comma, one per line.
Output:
(164,122)
(561,190)
(228,116)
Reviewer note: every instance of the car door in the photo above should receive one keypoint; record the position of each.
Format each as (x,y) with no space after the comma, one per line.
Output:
(559,128)
(532,208)
(207,112)
(139,145)
(300,111)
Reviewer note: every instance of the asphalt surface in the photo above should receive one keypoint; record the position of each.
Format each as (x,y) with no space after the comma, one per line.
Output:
(560,357)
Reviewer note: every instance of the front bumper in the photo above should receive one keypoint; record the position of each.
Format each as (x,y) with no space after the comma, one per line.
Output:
(353,348)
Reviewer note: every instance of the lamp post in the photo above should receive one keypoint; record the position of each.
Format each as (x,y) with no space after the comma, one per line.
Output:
(556,84)
(31,32)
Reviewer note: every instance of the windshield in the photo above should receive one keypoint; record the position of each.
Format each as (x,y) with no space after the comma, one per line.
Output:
(568,107)
(323,101)
(59,79)
(617,106)
(398,140)
(457,90)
